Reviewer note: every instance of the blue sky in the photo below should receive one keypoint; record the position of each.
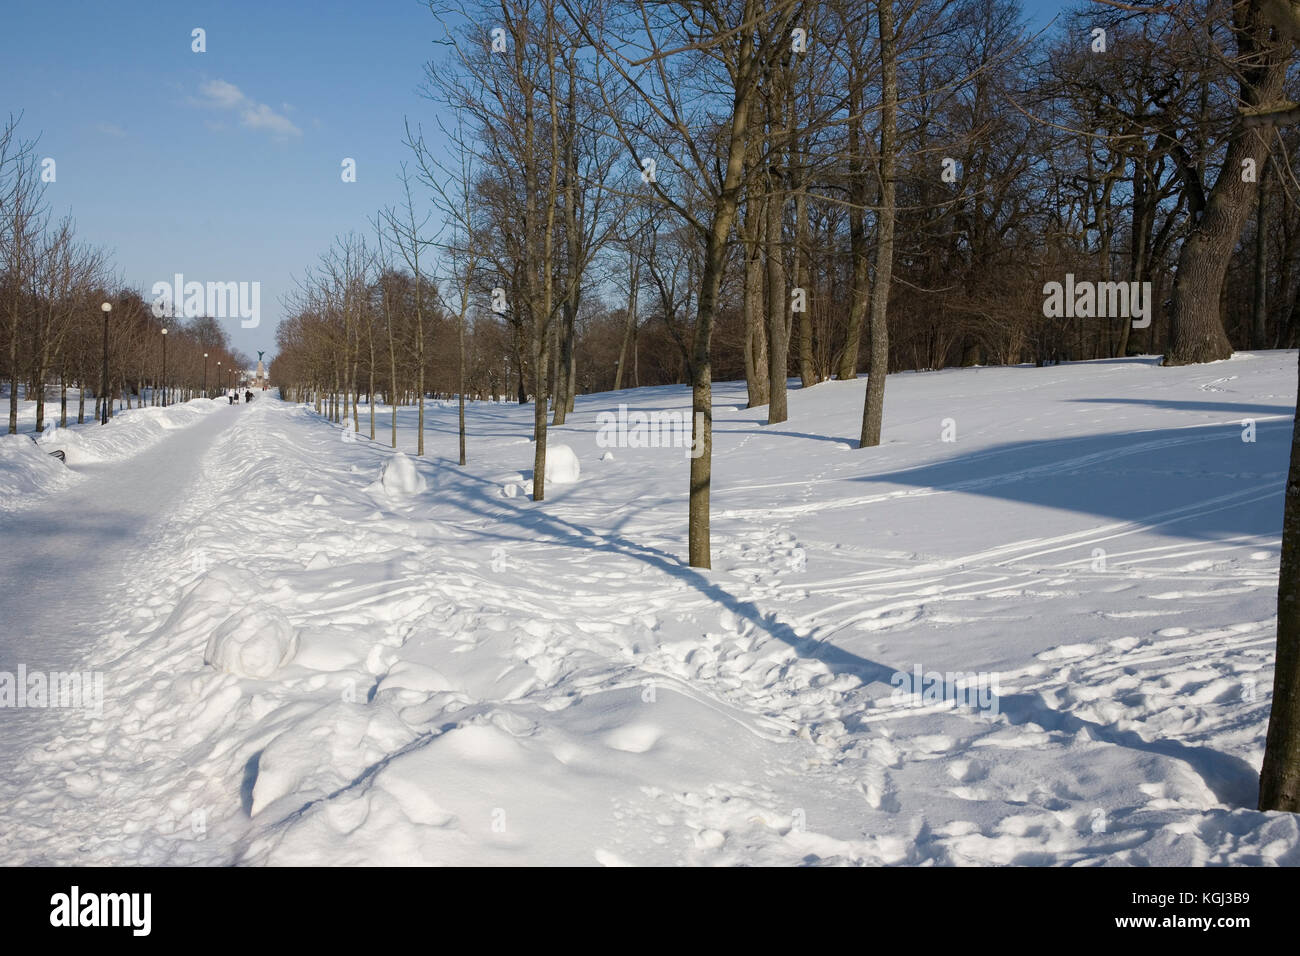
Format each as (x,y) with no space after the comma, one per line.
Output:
(223,165)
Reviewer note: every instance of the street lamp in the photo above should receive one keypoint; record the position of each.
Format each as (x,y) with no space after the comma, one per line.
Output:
(107,307)
(205,374)
(164,375)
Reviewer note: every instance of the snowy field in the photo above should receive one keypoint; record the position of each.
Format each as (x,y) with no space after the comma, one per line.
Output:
(307,663)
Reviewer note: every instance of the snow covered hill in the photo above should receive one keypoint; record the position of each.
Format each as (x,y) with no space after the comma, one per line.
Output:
(1035,626)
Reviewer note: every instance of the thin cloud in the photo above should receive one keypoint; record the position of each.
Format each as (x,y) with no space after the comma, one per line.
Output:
(218,94)
(110,129)
(261,116)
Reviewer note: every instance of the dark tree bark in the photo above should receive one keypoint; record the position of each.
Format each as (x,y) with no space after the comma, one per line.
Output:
(778,299)
(1279,779)
(1196,326)
(873,411)
(1259,297)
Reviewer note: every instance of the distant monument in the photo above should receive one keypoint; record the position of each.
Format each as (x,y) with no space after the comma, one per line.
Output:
(261,372)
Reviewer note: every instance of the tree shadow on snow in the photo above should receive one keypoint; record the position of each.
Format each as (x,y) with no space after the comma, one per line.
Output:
(1233,781)
(1199,482)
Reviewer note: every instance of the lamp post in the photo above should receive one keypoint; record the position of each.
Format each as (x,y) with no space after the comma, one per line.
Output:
(107,307)
(164,374)
(205,374)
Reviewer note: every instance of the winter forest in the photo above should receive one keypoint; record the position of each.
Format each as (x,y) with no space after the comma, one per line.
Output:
(709,433)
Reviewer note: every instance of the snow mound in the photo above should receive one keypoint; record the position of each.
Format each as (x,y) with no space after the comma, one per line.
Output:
(76,447)
(26,468)
(561,465)
(253,642)
(126,434)
(399,477)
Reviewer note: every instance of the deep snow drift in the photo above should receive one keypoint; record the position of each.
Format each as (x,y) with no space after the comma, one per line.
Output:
(1034,626)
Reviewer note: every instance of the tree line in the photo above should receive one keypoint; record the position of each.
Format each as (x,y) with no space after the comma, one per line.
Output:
(634,193)
(56,336)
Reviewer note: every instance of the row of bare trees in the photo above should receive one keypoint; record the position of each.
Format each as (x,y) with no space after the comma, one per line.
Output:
(761,189)
(55,333)
(638,193)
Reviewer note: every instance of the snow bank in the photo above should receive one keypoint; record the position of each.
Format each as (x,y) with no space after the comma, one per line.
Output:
(252,642)
(27,469)
(125,434)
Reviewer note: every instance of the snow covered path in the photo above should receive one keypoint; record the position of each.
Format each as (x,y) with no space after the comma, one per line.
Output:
(84,542)
(305,664)
(70,560)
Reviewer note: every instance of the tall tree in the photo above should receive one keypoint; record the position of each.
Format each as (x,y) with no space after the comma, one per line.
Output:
(1261,62)
(873,410)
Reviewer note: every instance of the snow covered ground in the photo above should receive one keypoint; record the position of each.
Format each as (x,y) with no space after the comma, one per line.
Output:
(313,652)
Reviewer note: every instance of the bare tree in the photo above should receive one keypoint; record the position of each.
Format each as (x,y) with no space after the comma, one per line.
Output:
(874,404)
(23,217)
(1261,62)
(408,231)
(703,139)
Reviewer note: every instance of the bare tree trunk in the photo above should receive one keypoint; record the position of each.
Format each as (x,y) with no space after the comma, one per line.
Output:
(807,365)
(634,285)
(460,377)
(756,370)
(1195,324)
(392,365)
(1279,779)
(13,372)
(778,301)
(1259,325)
(715,250)
(778,342)
(874,406)
(561,361)
(751,231)
(858,250)
(571,392)
(541,362)
(40,400)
